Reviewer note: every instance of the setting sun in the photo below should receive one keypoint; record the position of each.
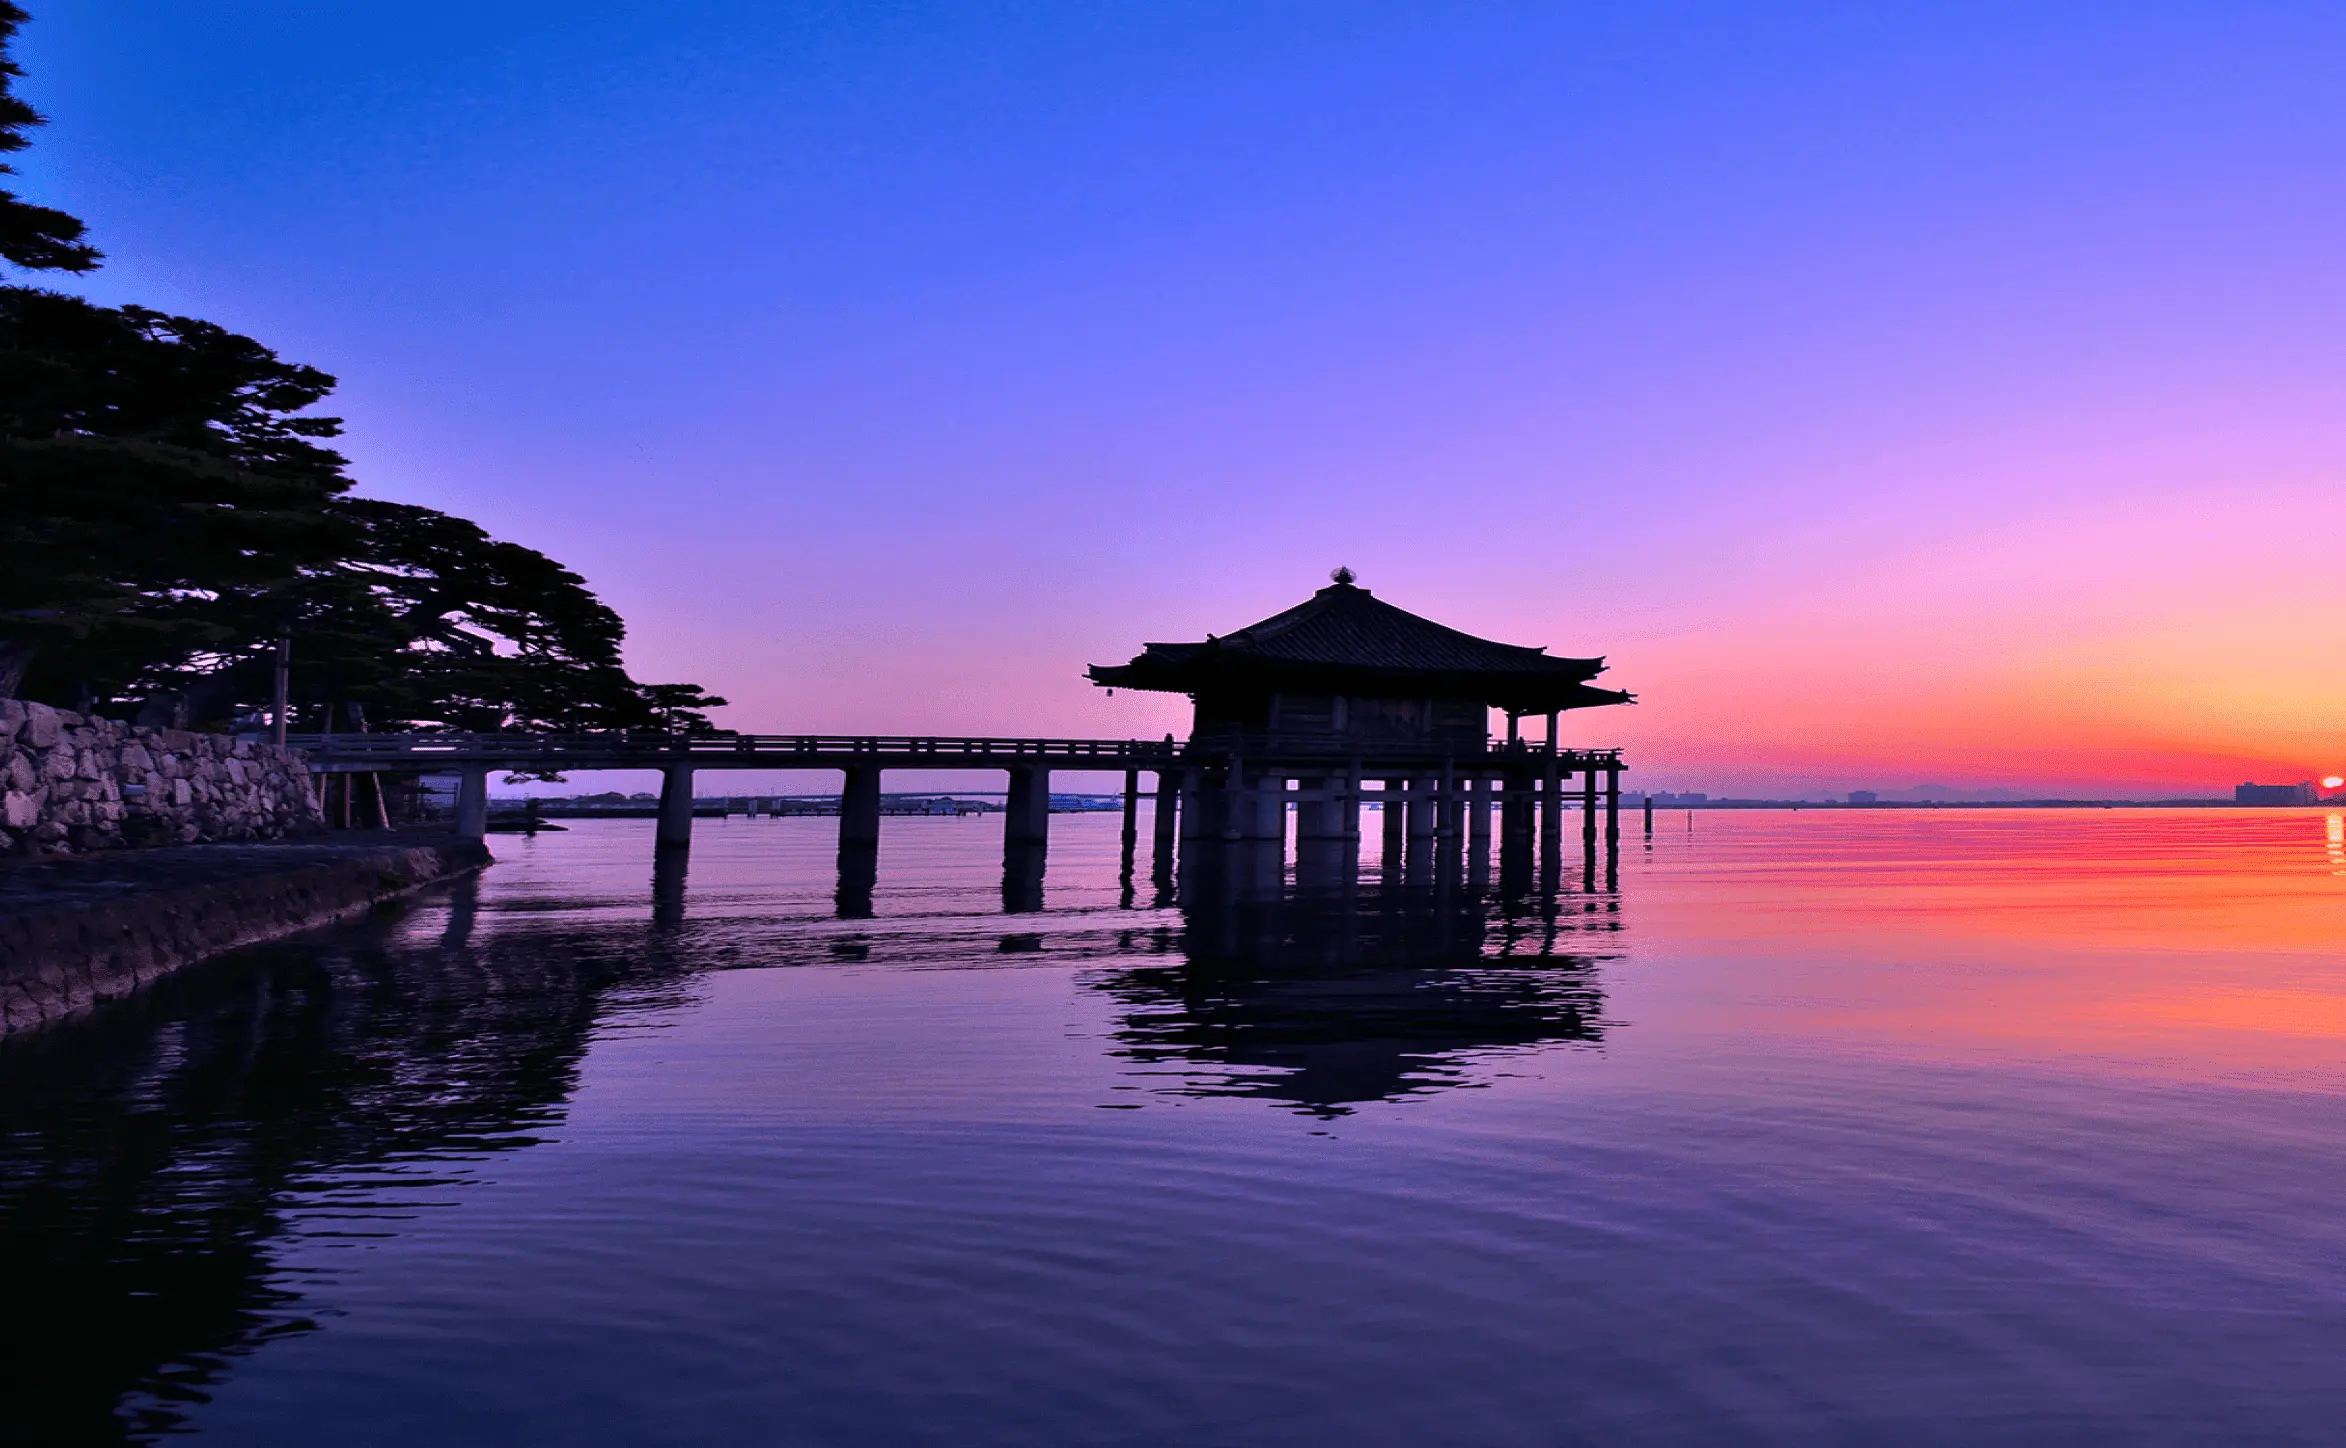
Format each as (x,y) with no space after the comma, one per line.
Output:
(2332,781)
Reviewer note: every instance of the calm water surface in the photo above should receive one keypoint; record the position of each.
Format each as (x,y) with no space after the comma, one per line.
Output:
(1869,1127)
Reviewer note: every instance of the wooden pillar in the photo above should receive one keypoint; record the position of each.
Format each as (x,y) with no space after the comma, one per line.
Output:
(1028,817)
(472,804)
(859,807)
(1588,810)
(1612,806)
(1396,807)
(1425,815)
(1315,809)
(675,827)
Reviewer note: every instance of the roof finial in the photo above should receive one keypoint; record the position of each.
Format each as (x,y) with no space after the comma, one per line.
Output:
(1344,575)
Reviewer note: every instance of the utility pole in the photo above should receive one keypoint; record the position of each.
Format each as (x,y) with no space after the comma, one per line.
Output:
(284,685)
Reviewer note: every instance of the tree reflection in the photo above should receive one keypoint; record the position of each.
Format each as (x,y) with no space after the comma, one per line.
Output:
(1323,997)
(149,1157)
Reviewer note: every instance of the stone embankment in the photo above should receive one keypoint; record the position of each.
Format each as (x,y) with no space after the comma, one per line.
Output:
(76,933)
(70,785)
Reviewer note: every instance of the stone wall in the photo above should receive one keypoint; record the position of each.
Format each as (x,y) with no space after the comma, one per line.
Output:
(75,934)
(69,785)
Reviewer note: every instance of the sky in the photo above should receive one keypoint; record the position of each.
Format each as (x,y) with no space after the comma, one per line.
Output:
(1893,394)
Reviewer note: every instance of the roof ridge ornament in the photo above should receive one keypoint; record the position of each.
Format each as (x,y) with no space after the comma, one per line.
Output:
(1343,575)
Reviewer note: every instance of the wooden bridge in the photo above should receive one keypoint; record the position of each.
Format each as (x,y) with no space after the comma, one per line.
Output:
(1236,787)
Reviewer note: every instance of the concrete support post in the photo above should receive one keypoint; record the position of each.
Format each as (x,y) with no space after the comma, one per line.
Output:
(859,807)
(472,804)
(1168,822)
(1131,838)
(1515,832)
(1552,813)
(675,828)
(1028,817)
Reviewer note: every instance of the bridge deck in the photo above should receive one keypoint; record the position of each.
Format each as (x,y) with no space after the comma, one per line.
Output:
(454,752)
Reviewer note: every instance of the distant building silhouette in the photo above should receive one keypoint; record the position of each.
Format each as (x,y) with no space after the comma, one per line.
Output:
(2274,793)
(1864,796)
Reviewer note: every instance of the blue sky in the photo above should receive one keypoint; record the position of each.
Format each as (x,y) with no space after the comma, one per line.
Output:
(1868,382)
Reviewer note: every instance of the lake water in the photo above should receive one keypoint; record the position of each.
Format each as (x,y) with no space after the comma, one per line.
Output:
(1825,1127)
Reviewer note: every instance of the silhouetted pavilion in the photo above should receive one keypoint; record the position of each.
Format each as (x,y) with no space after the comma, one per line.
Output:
(1300,708)
(1344,670)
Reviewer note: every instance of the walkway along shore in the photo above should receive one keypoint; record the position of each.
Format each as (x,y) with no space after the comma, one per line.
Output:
(76,933)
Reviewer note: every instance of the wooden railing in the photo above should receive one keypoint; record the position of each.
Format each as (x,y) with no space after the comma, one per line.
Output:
(620,750)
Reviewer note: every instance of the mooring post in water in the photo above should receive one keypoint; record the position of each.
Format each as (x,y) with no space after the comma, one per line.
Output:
(472,804)
(1649,816)
(675,828)
(859,807)
(1028,813)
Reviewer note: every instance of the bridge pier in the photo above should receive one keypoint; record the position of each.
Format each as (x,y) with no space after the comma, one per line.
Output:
(859,807)
(1027,812)
(1612,809)
(1130,839)
(1167,825)
(675,827)
(472,804)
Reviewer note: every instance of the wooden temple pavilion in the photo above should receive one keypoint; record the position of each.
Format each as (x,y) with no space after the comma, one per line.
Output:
(1307,706)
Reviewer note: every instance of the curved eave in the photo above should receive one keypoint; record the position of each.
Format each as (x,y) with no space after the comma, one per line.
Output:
(1526,693)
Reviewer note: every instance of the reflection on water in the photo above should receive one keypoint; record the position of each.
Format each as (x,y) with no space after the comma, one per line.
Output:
(1330,995)
(1819,1128)
(151,1157)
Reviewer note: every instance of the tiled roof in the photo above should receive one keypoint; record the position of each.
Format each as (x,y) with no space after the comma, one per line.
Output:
(1345,630)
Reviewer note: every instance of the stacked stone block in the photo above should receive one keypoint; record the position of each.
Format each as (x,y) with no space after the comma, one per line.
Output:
(70,785)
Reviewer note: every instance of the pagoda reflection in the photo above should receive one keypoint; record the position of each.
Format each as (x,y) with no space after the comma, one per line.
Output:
(1327,993)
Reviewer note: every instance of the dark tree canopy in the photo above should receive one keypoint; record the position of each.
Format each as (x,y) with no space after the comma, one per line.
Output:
(37,238)
(151,468)
(424,619)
